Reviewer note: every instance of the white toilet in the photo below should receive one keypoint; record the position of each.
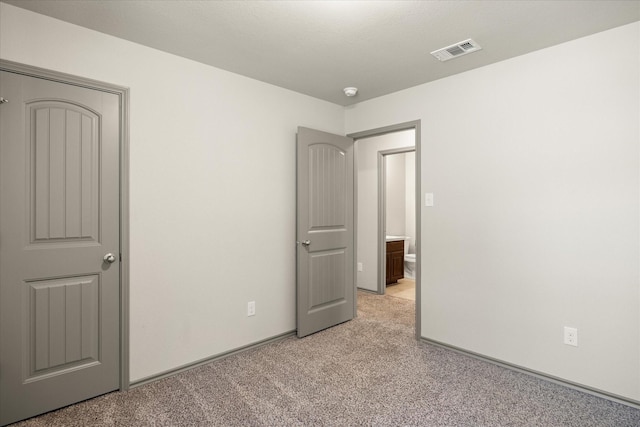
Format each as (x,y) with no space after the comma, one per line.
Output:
(409,261)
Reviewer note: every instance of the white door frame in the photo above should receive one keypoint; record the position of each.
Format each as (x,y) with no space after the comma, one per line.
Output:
(415,125)
(382,213)
(123,95)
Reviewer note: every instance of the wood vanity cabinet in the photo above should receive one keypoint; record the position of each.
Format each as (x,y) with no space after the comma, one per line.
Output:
(395,261)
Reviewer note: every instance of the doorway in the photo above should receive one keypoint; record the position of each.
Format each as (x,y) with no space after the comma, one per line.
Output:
(396,210)
(374,273)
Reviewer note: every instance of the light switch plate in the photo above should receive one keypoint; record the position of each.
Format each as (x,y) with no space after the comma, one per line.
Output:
(428,199)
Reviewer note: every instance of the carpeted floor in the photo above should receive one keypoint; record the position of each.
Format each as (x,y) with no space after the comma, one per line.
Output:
(367,372)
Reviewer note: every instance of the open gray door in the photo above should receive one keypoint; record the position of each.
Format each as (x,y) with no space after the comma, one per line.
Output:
(325,231)
(59,245)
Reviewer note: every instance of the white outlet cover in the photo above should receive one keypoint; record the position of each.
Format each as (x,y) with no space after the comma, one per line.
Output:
(571,336)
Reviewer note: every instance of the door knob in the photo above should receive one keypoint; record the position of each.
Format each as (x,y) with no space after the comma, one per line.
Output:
(306,243)
(109,258)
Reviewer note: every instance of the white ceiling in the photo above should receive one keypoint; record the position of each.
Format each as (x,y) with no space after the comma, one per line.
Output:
(320,47)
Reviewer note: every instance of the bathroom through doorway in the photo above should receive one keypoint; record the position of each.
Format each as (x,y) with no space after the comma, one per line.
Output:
(396,192)
(371,147)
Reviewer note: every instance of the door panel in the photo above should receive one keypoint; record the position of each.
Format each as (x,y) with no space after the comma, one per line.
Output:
(59,216)
(63,171)
(63,318)
(325,270)
(326,279)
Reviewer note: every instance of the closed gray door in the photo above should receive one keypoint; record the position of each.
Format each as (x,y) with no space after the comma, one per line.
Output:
(59,217)
(325,231)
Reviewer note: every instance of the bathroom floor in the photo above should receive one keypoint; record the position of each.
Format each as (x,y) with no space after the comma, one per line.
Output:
(405,289)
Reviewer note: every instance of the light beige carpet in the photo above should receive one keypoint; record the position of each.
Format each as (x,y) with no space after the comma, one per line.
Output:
(370,371)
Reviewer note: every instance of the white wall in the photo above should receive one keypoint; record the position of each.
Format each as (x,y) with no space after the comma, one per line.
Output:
(367,154)
(395,202)
(212,189)
(400,196)
(534,163)
(410,200)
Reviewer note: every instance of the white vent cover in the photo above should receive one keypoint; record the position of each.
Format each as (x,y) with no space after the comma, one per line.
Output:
(455,50)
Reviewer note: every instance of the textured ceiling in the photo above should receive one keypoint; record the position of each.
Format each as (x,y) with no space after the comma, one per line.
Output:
(320,47)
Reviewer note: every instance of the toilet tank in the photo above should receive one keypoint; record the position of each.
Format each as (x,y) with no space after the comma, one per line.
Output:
(407,242)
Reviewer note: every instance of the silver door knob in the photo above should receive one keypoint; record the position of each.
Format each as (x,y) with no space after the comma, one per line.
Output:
(110,258)
(306,243)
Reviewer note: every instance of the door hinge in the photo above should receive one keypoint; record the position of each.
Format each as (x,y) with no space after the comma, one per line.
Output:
(3,100)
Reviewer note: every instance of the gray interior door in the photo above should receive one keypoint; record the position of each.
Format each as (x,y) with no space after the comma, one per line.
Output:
(59,217)
(325,231)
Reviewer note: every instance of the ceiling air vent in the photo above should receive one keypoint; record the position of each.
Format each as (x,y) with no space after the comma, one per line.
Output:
(455,50)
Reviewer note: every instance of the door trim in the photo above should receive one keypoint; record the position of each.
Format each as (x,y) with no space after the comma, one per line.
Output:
(382,213)
(415,125)
(123,95)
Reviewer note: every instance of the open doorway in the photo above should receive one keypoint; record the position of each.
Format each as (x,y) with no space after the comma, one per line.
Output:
(396,210)
(370,148)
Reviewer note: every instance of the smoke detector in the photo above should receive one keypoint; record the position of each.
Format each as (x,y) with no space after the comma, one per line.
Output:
(455,50)
(350,91)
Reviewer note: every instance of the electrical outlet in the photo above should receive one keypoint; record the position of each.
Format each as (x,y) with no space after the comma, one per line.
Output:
(360,268)
(571,336)
(251,308)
